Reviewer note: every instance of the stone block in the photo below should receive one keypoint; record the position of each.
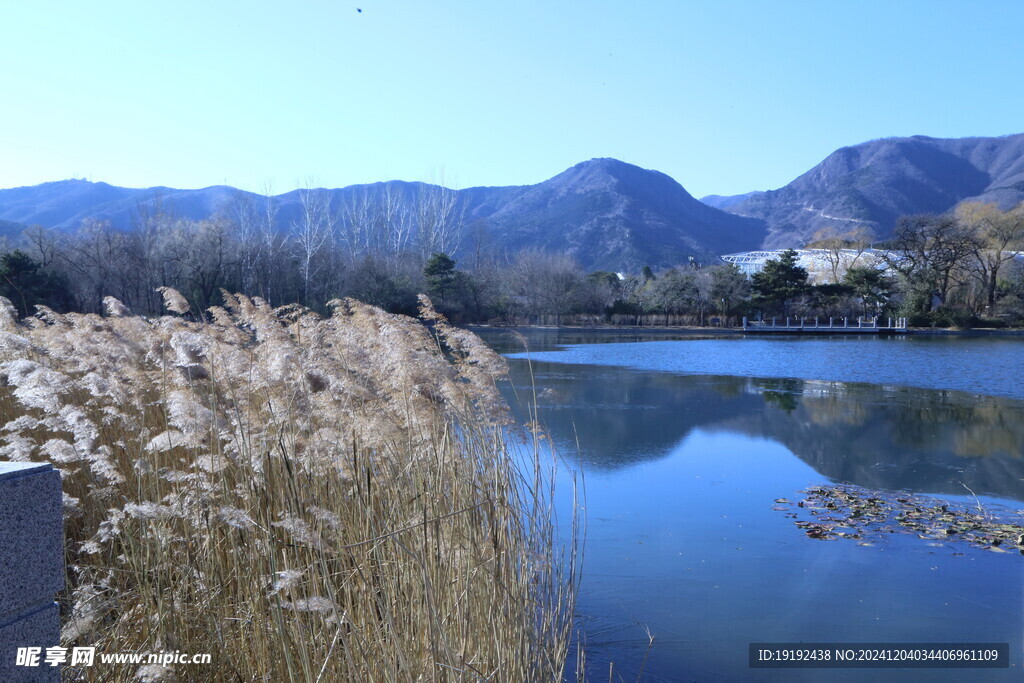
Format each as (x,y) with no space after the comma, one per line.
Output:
(39,627)
(31,565)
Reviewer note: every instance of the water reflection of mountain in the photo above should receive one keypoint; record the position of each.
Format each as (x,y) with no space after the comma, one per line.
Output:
(897,437)
(619,418)
(873,436)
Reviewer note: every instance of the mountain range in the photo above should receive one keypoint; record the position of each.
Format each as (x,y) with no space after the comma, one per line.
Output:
(612,215)
(605,213)
(874,183)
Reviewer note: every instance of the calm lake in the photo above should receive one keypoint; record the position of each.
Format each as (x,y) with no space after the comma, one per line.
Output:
(687,445)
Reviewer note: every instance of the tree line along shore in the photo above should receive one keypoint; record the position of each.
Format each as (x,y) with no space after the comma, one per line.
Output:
(959,270)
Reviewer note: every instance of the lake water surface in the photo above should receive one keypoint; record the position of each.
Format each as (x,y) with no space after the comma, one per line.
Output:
(685,445)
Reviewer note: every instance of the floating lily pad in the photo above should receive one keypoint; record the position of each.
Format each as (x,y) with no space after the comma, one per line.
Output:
(853,512)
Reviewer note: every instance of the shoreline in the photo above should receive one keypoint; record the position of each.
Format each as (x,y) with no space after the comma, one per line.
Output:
(729,331)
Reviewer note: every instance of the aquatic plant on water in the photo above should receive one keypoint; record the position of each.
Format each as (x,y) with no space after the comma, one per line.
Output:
(846,511)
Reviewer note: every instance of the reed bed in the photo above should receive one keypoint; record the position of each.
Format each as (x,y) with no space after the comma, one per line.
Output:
(306,498)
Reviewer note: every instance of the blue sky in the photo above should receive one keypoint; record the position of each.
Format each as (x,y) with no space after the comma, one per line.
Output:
(726,97)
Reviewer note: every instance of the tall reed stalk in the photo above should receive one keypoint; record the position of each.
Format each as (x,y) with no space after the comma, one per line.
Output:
(304,498)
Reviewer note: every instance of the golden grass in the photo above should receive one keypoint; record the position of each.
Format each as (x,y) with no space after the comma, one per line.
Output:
(305,498)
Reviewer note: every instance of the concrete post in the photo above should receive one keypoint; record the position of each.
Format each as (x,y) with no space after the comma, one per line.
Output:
(31,566)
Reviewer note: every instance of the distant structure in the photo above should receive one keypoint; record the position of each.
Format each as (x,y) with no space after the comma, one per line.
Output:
(825,265)
(822,265)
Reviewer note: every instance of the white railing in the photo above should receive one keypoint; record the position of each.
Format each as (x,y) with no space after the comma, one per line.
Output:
(866,323)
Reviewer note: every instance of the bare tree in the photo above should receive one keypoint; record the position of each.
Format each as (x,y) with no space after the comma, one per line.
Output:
(395,221)
(313,232)
(841,250)
(357,223)
(999,234)
(545,284)
(274,244)
(93,259)
(480,242)
(376,221)
(43,244)
(931,253)
(209,252)
(439,220)
(246,216)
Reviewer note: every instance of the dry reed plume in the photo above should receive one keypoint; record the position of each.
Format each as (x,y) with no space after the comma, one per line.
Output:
(306,498)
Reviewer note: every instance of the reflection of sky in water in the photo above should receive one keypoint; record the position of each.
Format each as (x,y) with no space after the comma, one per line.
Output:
(681,473)
(689,546)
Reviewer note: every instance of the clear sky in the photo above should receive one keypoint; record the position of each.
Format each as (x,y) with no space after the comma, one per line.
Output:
(724,96)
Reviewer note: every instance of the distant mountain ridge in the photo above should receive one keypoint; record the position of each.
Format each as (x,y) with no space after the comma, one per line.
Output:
(612,215)
(876,182)
(64,204)
(605,213)
(719,201)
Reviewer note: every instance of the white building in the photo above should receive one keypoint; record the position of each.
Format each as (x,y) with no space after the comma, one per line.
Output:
(822,265)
